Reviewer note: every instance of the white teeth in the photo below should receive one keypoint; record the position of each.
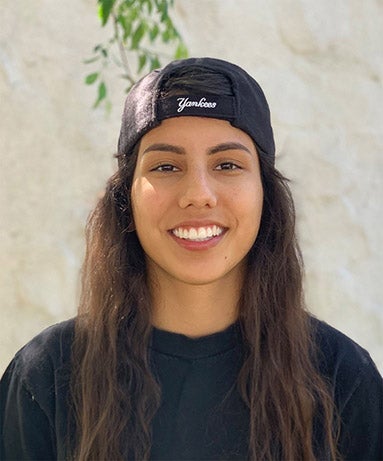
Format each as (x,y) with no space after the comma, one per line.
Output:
(202,233)
(193,234)
(198,234)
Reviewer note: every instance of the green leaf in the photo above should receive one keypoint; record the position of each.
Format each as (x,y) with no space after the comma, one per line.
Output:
(101,94)
(126,26)
(165,36)
(181,51)
(91,78)
(154,63)
(132,14)
(163,9)
(149,5)
(108,106)
(170,28)
(154,32)
(137,35)
(90,60)
(102,90)
(141,62)
(104,10)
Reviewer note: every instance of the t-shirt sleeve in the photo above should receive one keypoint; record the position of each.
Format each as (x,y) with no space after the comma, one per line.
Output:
(357,388)
(361,437)
(26,432)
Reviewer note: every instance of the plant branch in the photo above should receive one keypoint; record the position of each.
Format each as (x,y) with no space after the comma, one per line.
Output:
(123,56)
(132,28)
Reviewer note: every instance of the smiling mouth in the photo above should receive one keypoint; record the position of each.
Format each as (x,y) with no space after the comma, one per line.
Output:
(198,234)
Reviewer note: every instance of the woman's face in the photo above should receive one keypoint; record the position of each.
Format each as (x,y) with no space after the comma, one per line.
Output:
(197,199)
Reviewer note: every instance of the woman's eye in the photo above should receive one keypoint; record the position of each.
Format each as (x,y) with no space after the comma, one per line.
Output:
(166,167)
(227,166)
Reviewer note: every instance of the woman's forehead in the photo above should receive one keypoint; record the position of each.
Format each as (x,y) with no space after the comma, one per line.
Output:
(195,131)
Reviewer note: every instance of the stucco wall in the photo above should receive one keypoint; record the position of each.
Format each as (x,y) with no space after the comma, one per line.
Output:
(320,64)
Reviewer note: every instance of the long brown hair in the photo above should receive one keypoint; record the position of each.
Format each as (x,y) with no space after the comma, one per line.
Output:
(114,393)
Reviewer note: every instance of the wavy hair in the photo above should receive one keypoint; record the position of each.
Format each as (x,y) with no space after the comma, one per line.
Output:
(114,393)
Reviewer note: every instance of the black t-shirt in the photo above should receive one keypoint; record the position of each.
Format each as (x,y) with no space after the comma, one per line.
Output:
(202,416)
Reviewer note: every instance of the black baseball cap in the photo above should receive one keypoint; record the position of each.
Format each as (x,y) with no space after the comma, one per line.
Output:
(247,109)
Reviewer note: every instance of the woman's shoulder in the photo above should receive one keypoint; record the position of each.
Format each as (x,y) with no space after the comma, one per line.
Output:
(337,352)
(357,389)
(346,364)
(46,353)
(34,392)
(335,345)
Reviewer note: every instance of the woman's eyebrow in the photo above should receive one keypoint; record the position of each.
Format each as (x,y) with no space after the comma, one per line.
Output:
(228,146)
(162,147)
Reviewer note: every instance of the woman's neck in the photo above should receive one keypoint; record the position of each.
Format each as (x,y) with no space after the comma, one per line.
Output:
(194,310)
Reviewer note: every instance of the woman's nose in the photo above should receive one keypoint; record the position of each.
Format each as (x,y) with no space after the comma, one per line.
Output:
(198,191)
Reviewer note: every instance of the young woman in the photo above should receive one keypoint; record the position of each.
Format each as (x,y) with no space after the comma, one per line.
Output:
(192,341)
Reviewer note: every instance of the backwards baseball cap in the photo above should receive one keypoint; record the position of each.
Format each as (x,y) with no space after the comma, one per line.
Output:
(247,109)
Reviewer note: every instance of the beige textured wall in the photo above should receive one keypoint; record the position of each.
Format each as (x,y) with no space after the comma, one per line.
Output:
(321,66)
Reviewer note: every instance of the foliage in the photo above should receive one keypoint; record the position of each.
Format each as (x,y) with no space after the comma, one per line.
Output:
(138,26)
